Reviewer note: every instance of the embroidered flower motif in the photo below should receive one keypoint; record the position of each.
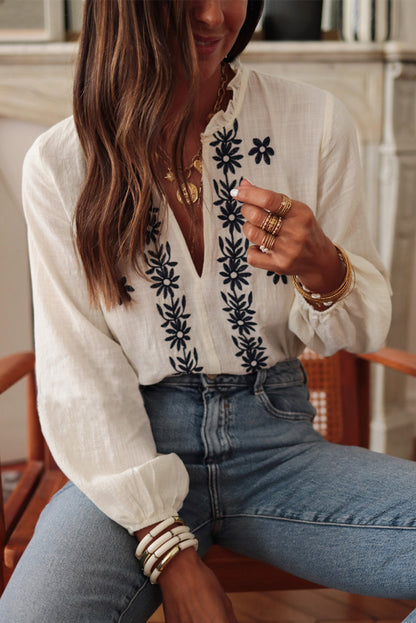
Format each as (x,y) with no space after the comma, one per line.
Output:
(227,149)
(230,212)
(233,246)
(165,281)
(234,273)
(127,289)
(261,150)
(227,157)
(172,310)
(233,249)
(162,270)
(153,226)
(252,353)
(178,334)
(187,364)
(240,314)
(277,277)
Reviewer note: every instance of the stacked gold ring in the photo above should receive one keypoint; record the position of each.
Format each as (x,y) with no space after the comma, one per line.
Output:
(272,223)
(285,206)
(267,243)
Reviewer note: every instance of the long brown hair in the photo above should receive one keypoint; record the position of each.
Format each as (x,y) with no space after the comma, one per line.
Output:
(122,91)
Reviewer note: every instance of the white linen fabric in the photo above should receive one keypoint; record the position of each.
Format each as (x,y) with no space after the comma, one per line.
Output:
(234,318)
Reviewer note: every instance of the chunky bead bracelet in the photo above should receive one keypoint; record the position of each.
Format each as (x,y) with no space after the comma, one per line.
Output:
(161,544)
(323,301)
(169,556)
(153,533)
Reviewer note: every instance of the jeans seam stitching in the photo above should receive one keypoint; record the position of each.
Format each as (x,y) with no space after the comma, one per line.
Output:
(136,592)
(319,523)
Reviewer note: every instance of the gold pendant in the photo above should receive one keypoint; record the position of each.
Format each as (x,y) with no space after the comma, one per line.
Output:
(193,189)
(169,176)
(197,164)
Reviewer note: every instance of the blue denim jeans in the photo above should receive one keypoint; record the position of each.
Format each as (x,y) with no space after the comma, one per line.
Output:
(263,482)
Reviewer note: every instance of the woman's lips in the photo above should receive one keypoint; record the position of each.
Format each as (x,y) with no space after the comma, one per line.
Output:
(206,45)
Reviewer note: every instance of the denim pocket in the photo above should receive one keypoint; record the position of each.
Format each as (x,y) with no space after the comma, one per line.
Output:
(287,403)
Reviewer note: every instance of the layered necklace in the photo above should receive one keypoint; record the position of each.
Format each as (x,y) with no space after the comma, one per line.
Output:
(191,191)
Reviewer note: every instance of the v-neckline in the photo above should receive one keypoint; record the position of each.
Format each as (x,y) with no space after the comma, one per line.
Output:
(184,244)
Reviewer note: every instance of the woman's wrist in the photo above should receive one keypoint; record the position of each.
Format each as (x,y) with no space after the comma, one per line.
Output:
(159,544)
(322,297)
(327,275)
(180,568)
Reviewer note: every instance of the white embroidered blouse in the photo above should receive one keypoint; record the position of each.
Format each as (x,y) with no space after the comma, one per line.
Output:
(234,318)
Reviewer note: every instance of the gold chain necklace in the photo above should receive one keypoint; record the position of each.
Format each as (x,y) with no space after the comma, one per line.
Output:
(190,190)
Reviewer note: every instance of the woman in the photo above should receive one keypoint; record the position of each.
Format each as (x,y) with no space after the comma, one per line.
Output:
(172,298)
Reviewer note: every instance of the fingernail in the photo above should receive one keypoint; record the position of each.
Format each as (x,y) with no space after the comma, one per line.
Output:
(234,192)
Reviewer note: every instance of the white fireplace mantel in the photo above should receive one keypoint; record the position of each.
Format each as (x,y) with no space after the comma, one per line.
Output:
(377,83)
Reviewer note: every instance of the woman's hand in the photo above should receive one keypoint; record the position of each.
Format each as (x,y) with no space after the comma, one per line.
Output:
(301,247)
(192,593)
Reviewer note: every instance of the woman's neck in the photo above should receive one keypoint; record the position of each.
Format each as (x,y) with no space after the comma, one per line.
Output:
(206,100)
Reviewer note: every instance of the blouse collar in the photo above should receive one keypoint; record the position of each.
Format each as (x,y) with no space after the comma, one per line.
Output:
(225,118)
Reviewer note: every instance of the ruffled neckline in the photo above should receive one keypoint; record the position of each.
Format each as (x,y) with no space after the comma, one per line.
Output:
(225,118)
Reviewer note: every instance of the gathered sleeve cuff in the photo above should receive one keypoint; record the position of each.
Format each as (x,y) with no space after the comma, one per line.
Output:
(90,406)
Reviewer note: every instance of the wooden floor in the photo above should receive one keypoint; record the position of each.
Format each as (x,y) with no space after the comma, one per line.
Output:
(313,606)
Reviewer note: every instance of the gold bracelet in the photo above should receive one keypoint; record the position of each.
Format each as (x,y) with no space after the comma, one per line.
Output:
(169,556)
(144,558)
(322,301)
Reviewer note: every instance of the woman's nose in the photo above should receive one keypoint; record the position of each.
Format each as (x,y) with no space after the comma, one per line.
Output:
(208,12)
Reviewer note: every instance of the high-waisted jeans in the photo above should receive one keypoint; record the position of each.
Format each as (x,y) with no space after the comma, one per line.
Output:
(263,482)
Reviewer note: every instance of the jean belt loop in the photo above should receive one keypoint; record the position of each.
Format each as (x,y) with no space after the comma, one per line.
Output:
(261,376)
(204,380)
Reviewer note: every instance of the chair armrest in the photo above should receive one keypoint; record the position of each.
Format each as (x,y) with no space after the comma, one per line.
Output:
(15,367)
(393,358)
(21,495)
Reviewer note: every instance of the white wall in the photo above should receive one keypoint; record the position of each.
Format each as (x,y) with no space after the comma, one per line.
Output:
(15,307)
(404,20)
(404,29)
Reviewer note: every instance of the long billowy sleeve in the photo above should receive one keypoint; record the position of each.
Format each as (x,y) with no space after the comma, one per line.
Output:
(90,406)
(359,322)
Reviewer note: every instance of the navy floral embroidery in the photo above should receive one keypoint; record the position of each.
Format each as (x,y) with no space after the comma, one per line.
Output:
(261,150)
(251,353)
(173,309)
(233,245)
(226,144)
(153,226)
(240,312)
(277,277)
(230,213)
(235,267)
(127,289)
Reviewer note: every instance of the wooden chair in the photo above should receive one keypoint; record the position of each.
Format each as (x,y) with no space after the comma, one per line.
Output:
(339,388)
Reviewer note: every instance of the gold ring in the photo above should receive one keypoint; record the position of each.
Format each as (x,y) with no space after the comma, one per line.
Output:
(269,222)
(267,243)
(285,206)
(278,226)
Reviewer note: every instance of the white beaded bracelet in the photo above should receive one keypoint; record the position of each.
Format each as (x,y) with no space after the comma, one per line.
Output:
(164,549)
(165,537)
(150,536)
(175,550)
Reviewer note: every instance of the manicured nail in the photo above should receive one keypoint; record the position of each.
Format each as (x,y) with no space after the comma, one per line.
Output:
(234,192)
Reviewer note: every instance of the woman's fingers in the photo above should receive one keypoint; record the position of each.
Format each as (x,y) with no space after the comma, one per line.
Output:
(284,232)
(260,197)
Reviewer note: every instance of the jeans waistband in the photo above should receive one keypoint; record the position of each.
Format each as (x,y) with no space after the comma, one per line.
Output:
(283,373)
